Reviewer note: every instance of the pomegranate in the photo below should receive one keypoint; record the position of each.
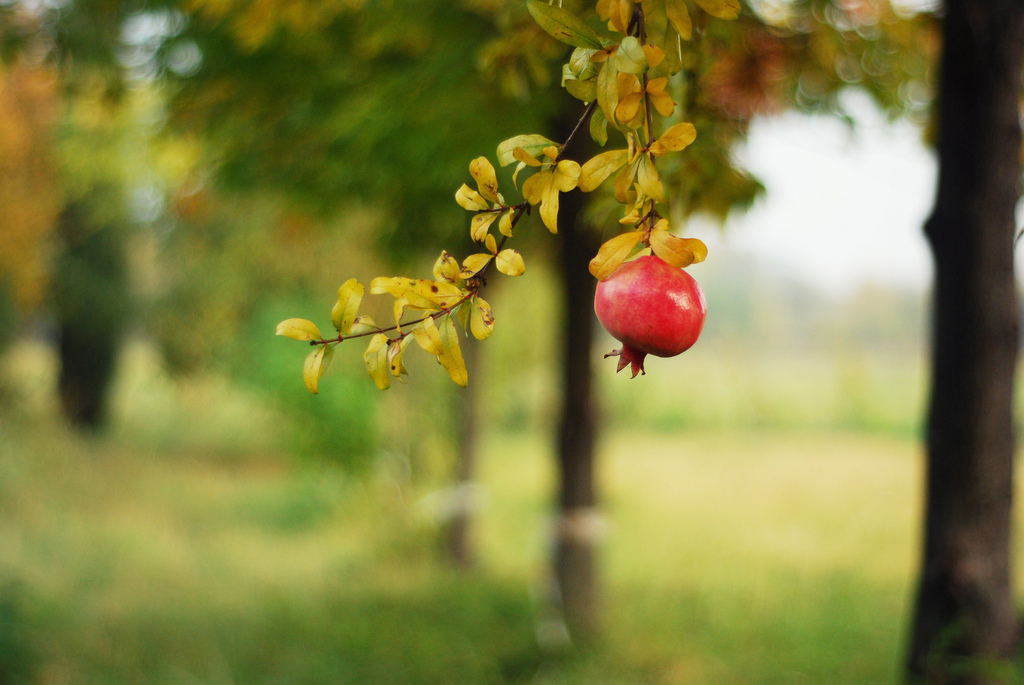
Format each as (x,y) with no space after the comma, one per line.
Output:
(651,307)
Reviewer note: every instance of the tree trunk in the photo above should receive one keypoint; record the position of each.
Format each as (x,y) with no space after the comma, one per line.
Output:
(91,307)
(575,563)
(965,620)
(458,541)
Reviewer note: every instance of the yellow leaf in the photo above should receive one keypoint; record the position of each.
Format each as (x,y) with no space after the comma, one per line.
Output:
(505,224)
(535,186)
(480,224)
(376,358)
(620,12)
(396,350)
(482,172)
(451,354)
(659,98)
(510,263)
(679,17)
(515,174)
(444,295)
(481,319)
(474,263)
(549,208)
(490,244)
(624,180)
(350,294)
(674,139)
(363,324)
(427,337)
(531,143)
(402,287)
(446,268)
(299,329)
(400,304)
(663,104)
(723,9)
(654,55)
(551,152)
(597,169)
(628,85)
(650,182)
(613,253)
(316,363)
(566,175)
(679,252)
(525,157)
(470,199)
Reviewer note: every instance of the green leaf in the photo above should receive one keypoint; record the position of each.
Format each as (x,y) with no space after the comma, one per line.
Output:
(630,57)
(451,354)
(608,91)
(532,143)
(510,263)
(344,313)
(316,363)
(481,319)
(599,127)
(299,329)
(376,358)
(585,91)
(563,25)
(581,65)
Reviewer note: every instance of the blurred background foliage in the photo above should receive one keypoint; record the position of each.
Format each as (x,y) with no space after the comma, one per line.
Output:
(178,176)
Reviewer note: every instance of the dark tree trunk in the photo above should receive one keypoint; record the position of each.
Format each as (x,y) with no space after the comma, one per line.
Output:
(90,303)
(965,619)
(575,563)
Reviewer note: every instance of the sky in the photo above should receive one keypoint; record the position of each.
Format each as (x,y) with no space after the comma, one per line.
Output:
(844,206)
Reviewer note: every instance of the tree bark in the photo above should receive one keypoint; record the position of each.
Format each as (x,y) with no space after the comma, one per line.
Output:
(965,623)
(575,562)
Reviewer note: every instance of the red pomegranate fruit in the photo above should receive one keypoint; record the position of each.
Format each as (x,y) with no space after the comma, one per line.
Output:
(651,307)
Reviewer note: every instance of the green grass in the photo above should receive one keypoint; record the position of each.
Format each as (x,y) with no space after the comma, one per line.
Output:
(186,547)
(744,558)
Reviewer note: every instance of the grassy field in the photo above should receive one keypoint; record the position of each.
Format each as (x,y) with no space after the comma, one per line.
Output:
(729,557)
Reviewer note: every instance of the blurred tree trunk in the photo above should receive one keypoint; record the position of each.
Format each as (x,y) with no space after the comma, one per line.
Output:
(90,303)
(575,552)
(965,618)
(458,540)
